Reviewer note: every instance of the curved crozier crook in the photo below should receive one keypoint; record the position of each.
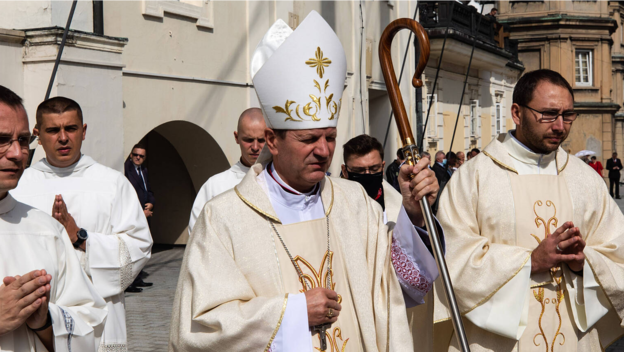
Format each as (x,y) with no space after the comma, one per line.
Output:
(387,68)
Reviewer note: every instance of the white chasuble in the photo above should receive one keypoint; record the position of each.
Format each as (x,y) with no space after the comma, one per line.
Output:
(239,291)
(307,243)
(32,240)
(495,211)
(103,202)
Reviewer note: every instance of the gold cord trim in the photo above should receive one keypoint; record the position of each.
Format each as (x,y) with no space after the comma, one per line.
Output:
(491,294)
(500,163)
(331,204)
(564,165)
(279,322)
(388,321)
(255,207)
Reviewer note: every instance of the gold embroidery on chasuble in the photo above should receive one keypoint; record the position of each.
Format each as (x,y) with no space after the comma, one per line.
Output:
(307,242)
(542,204)
(556,274)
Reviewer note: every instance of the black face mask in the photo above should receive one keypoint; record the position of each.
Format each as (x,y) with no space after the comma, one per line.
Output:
(372,183)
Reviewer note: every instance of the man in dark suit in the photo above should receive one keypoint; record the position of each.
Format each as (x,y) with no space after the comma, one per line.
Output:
(136,173)
(614,165)
(440,169)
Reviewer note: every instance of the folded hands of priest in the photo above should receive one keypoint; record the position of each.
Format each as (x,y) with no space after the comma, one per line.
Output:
(416,182)
(60,213)
(24,300)
(565,245)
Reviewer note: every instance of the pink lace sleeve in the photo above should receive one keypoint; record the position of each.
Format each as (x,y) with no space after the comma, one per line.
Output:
(412,280)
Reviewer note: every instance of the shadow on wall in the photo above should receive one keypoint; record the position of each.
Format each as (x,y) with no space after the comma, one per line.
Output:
(181,156)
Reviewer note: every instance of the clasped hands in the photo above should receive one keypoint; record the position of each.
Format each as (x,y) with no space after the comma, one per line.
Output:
(148,210)
(565,245)
(60,213)
(24,299)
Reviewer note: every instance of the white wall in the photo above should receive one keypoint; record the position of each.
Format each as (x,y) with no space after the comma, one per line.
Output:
(39,14)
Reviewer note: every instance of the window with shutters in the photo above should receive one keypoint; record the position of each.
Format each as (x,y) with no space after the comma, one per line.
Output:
(432,124)
(474,118)
(499,118)
(583,67)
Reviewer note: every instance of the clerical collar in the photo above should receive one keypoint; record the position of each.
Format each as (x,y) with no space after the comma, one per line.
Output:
(83,163)
(275,176)
(240,167)
(7,204)
(521,153)
(289,205)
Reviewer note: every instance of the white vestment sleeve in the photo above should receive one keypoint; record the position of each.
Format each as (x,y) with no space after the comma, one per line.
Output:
(117,257)
(294,332)
(78,312)
(415,266)
(588,301)
(506,313)
(202,197)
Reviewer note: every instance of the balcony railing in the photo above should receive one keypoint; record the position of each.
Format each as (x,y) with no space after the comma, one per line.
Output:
(465,20)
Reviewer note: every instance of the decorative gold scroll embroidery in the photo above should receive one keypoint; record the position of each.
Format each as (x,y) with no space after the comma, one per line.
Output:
(319,62)
(309,110)
(317,85)
(556,273)
(286,110)
(539,296)
(316,279)
(333,341)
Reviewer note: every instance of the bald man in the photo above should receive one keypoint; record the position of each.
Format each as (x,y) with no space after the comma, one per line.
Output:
(461,158)
(250,138)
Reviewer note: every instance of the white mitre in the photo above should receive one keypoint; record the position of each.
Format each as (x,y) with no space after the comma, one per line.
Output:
(299,75)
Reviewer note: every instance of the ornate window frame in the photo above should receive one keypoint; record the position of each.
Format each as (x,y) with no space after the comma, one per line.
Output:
(203,14)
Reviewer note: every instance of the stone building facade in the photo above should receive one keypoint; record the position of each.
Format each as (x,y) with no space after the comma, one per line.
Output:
(583,41)
(175,76)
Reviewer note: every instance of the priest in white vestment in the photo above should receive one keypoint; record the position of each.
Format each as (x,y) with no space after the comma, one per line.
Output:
(97,205)
(46,300)
(292,260)
(535,244)
(249,136)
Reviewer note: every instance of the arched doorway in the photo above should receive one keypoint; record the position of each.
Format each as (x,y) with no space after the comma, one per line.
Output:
(181,156)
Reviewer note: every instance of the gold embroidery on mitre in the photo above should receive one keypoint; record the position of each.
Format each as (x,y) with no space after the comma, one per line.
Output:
(310,110)
(556,274)
(319,62)
(286,110)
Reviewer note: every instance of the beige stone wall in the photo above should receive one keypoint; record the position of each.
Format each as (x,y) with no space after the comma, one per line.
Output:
(549,37)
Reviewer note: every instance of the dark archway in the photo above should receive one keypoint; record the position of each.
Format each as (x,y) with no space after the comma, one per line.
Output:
(181,156)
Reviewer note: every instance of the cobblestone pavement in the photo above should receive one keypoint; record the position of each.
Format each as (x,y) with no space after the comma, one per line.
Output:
(148,314)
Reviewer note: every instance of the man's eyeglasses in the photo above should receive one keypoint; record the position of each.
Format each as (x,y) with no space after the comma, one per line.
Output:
(553,115)
(373,169)
(6,142)
(138,155)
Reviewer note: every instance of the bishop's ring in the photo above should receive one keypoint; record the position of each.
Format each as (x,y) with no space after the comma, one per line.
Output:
(331,313)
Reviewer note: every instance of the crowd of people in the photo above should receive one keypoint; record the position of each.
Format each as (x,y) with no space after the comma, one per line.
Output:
(281,257)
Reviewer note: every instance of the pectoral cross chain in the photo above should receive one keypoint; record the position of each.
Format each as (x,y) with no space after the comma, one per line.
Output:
(320,329)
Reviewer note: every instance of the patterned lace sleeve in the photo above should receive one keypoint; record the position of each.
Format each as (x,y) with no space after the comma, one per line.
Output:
(413,262)
(412,280)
